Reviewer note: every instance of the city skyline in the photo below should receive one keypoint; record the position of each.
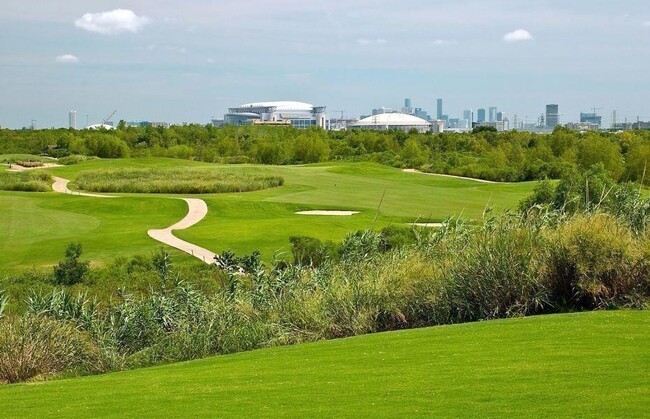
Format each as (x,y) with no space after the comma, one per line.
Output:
(187,62)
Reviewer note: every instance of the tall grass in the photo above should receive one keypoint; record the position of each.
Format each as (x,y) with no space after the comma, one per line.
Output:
(28,181)
(185,181)
(511,265)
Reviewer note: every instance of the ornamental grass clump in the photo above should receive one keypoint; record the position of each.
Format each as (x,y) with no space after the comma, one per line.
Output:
(175,181)
(28,181)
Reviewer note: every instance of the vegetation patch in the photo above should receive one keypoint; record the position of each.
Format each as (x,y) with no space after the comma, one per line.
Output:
(186,181)
(25,181)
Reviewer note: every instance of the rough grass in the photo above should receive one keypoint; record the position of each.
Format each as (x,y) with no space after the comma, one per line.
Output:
(575,365)
(29,181)
(177,181)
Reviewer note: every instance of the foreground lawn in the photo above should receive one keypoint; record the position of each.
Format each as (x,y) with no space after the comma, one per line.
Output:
(577,365)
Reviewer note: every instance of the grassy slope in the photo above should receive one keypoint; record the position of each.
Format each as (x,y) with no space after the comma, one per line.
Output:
(579,365)
(34,228)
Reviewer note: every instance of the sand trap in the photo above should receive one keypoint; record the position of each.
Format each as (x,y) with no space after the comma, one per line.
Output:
(428,225)
(326,212)
(18,168)
(450,176)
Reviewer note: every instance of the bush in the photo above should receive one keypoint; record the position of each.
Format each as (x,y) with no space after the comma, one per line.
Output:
(309,251)
(34,346)
(594,262)
(71,271)
(28,181)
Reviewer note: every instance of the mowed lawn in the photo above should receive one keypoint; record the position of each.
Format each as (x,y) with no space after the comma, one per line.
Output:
(593,364)
(35,227)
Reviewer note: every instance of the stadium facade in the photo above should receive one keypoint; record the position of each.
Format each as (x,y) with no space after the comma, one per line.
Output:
(297,114)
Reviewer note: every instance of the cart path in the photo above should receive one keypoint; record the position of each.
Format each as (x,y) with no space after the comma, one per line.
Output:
(451,176)
(61,185)
(197,211)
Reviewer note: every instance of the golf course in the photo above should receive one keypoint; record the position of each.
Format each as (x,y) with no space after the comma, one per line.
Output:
(34,227)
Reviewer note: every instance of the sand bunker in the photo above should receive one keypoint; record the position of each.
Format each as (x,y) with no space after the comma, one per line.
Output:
(327,212)
(18,168)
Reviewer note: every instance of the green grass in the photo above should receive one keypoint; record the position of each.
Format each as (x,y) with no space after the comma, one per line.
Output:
(239,221)
(174,181)
(5,158)
(578,365)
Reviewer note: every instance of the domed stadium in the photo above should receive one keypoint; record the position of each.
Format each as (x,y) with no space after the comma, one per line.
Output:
(391,121)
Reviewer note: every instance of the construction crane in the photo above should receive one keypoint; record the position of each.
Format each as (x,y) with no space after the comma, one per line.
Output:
(108,118)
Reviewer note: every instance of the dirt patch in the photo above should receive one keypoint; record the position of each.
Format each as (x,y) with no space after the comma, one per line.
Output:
(328,212)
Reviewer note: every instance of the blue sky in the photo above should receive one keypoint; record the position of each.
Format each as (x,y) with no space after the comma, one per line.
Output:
(174,61)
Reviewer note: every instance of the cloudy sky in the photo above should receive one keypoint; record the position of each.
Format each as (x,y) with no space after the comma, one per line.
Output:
(187,61)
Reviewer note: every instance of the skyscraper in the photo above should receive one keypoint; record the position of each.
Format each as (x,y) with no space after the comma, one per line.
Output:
(493,114)
(480,115)
(439,112)
(72,117)
(408,103)
(552,116)
(467,114)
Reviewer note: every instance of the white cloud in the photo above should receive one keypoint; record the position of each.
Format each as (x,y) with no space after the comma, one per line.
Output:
(67,59)
(517,36)
(378,41)
(113,22)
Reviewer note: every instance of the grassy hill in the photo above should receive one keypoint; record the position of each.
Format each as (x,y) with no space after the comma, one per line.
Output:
(580,365)
(35,227)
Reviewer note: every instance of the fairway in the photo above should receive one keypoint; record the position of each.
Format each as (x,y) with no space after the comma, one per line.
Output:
(35,227)
(578,365)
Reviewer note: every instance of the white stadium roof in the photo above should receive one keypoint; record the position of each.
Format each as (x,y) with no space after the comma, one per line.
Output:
(281,106)
(392,119)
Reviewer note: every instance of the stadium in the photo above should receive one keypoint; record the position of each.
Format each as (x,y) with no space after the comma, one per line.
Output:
(297,114)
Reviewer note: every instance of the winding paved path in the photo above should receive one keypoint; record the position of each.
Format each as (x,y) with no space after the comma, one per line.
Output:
(451,176)
(198,209)
(61,185)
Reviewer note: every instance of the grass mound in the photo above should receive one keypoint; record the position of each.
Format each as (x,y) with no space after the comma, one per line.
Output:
(25,181)
(181,181)
(587,365)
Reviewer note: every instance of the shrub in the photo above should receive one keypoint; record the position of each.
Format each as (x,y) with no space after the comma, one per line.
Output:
(34,346)
(71,271)
(309,251)
(28,181)
(594,262)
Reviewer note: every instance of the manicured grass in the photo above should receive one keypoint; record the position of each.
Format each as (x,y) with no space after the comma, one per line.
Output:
(577,365)
(242,222)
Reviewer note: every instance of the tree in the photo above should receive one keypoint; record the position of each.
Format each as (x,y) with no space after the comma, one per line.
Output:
(70,270)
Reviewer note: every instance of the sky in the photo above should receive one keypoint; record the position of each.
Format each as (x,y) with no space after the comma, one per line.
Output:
(188,61)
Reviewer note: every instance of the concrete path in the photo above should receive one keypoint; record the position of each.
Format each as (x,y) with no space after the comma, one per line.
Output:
(451,176)
(198,209)
(61,185)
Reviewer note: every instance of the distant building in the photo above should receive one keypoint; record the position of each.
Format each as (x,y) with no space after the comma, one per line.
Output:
(397,121)
(467,114)
(297,114)
(492,114)
(408,106)
(582,126)
(379,111)
(422,114)
(591,118)
(500,126)
(72,119)
(552,116)
(500,116)
(480,115)
(439,112)
(143,124)
(627,126)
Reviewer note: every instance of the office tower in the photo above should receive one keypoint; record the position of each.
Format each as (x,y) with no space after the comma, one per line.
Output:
(72,117)
(480,115)
(467,114)
(408,103)
(499,116)
(493,114)
(552,116)
(439,113)
(591,118)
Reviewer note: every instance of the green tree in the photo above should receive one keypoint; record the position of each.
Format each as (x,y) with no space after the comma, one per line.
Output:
(70,270)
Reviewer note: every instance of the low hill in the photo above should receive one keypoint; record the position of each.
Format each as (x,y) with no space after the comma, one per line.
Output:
(580,365)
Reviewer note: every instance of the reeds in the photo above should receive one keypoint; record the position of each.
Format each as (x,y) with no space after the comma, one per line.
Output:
(175,181)
(29,181)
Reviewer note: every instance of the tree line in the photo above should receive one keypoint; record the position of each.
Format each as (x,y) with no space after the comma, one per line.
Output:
(510,156)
